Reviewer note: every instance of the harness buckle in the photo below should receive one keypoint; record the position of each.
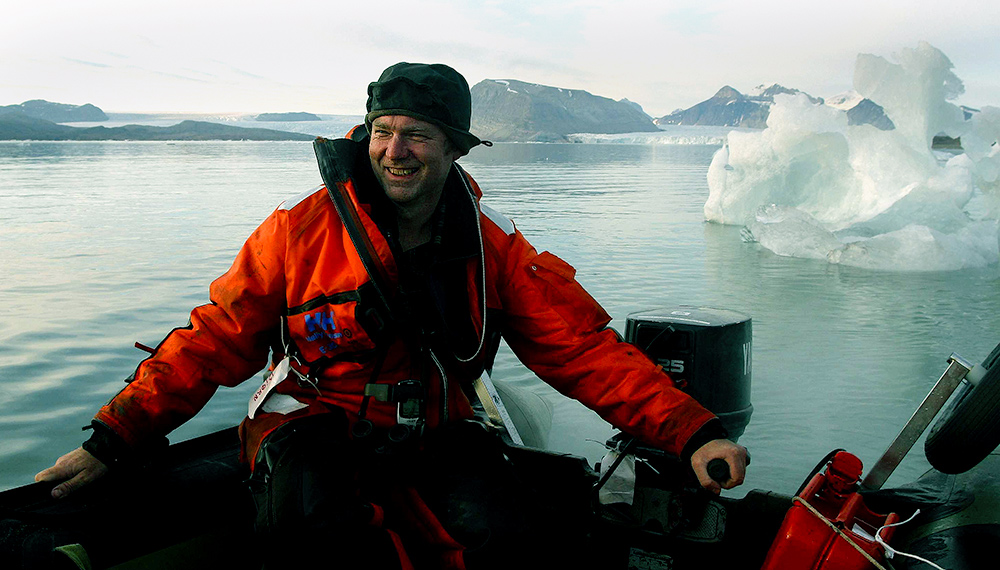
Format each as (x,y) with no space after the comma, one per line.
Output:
(408,396)
(410,406)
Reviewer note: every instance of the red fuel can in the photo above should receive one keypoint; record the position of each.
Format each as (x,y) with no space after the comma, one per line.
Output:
(809,537)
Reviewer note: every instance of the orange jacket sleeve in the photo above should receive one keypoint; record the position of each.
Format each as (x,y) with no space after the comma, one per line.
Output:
(560,332)
(225,342)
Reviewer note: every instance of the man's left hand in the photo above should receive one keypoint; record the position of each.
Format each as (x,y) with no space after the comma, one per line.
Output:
(733,454)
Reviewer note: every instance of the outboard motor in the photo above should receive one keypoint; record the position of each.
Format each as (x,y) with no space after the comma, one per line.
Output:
(706,351)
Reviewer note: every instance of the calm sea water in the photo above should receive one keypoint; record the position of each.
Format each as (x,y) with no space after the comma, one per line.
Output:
(105,244)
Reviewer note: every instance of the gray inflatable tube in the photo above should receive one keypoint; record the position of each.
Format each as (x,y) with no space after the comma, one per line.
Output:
(969,429)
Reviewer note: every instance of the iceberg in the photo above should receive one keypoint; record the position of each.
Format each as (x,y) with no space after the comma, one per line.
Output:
(810,185)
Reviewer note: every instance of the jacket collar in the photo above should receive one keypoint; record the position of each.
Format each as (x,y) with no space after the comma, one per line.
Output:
(455,221)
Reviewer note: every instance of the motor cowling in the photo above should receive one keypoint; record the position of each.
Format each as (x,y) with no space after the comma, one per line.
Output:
(706,351)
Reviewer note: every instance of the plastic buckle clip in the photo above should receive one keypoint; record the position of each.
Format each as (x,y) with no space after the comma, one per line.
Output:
(410,406)
(409,398)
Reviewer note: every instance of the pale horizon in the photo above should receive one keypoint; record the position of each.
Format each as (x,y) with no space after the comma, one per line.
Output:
(222,57)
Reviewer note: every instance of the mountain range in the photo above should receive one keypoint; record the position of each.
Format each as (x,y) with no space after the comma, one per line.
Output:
(18,126)
(503,110)
(510,110)
(730,108)
(56,112)
(41,120)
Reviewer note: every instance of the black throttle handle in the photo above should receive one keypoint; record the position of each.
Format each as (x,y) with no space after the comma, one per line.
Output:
(718,470)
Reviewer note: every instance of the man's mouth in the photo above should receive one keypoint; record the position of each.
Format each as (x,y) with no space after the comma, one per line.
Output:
(400,171)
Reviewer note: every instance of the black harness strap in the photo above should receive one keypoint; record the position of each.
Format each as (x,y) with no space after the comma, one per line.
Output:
(333,178)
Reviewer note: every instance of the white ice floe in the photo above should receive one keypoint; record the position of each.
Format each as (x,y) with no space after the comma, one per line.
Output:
(811,186)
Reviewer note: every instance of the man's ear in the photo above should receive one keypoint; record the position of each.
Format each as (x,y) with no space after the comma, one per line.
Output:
(454,151)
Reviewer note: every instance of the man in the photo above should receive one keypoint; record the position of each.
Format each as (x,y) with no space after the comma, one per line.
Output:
(380,298)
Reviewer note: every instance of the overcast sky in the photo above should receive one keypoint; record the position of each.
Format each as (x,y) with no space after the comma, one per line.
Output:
(210,56)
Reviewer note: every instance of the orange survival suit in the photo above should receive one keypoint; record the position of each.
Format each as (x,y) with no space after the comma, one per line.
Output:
(298,289)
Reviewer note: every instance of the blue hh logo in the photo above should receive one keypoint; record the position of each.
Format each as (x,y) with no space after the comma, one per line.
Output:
(320,326)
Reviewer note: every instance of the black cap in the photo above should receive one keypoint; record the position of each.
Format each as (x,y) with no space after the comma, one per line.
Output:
(430,92)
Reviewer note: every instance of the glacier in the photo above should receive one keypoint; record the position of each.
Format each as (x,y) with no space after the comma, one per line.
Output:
(811,186)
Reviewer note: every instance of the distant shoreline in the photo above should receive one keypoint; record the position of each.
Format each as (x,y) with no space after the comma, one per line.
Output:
(18,126)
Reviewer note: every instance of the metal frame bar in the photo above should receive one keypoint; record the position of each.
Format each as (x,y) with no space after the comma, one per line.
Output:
(958,367)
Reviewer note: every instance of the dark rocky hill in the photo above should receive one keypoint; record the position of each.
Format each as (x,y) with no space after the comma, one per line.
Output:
(765,94)
(861,110)
(868,112)
(18,126)
(509,110)
(730,108)
(636,106)
(57,112)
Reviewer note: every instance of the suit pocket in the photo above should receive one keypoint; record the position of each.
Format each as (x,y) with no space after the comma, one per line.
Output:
(556,281)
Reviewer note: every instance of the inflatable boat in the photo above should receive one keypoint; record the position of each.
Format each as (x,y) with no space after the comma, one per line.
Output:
(188,507)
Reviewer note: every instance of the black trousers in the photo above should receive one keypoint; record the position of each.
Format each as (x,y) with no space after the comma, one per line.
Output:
(325,500)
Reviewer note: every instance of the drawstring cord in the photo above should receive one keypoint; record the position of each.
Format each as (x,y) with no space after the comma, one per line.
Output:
(890,551)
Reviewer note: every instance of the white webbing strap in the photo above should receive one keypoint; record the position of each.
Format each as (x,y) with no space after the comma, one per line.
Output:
(494,407)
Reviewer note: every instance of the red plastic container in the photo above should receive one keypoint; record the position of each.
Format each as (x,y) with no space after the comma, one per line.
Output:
(806,542)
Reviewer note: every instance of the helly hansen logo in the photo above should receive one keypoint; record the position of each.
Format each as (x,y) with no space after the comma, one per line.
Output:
(320,320)
(321,326)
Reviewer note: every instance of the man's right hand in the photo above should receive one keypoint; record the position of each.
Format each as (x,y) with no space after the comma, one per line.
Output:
(733,454)
(76,469)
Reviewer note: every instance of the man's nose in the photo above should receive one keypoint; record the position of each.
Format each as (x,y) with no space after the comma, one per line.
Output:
(397,148)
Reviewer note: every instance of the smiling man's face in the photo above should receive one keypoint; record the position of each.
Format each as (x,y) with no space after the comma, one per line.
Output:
(411,159)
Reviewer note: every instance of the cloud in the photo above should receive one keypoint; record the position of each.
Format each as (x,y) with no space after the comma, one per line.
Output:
(206,55)
(90,63)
